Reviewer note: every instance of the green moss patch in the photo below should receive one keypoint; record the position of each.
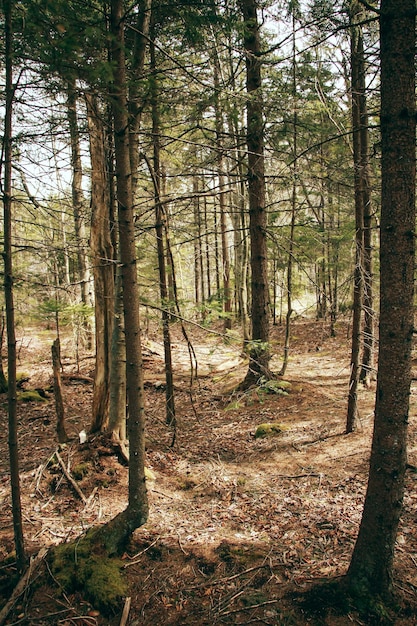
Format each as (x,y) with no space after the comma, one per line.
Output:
(30,396)
(271,429)
(83,565)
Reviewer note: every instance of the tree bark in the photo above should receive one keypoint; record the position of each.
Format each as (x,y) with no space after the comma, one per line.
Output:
(59,403)
(8,291)
(78,204)
(371,568)
(160,233)
(136,512)
(361,181)
(259,355)
(103,265)
(227,299)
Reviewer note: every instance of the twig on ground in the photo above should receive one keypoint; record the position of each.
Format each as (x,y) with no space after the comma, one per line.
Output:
(136,557)
(126,610)
(250,608)
(70,479)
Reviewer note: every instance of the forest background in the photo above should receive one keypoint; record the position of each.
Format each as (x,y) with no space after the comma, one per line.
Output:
(252,195)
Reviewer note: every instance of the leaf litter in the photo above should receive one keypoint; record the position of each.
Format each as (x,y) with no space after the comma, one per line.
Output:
(239,527)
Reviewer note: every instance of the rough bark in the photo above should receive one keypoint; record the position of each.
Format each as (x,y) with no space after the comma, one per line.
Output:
(160,234)
(136,512)
(259,355)
(371,568)
(227,299)
(103,265)
(360,182)
(8,291)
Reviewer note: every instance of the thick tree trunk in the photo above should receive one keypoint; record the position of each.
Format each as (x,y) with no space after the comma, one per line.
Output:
(8,291)
(103,265)
(371,568)
(259,355)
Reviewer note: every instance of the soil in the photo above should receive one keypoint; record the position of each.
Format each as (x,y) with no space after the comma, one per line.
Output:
(241,530)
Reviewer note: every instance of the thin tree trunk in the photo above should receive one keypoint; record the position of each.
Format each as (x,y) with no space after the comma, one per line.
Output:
(141,38)
(117,392)
(160,231)
(357,83)
(59,403)
(8,291)
(371,569)
(78,203)
(227,301)
(293,210)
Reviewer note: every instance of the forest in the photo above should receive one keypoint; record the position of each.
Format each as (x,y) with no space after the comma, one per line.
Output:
(207,338)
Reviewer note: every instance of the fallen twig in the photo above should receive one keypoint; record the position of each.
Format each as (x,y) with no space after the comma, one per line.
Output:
(250,608)
(70,479)
(136,557)
(126,610)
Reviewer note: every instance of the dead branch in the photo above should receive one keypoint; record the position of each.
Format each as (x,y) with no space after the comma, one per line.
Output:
(70,479)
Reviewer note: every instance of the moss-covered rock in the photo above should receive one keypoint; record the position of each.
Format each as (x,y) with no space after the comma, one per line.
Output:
(271,429)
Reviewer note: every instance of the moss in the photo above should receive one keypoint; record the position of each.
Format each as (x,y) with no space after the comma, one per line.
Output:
(277,386)
(30,396)
(271,429)
(83,565)
(80,471)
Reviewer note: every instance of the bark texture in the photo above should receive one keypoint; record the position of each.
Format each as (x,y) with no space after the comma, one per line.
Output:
(136,512)
(103,264)
(371,568)
(259,355)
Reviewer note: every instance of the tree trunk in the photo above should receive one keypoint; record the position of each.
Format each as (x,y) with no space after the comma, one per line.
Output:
(227,301)
(103,265)
(293,208)
(117,395)
(59,403)
(357,87)
(259,355)
(8,290)
(160,232)
(141,37)
(136,512)
(78,204)
(371,568)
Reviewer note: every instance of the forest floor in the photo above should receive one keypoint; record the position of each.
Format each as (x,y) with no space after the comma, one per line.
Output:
(241,529)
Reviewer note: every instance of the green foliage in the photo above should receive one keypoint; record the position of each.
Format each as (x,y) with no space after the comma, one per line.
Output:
(83,566)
